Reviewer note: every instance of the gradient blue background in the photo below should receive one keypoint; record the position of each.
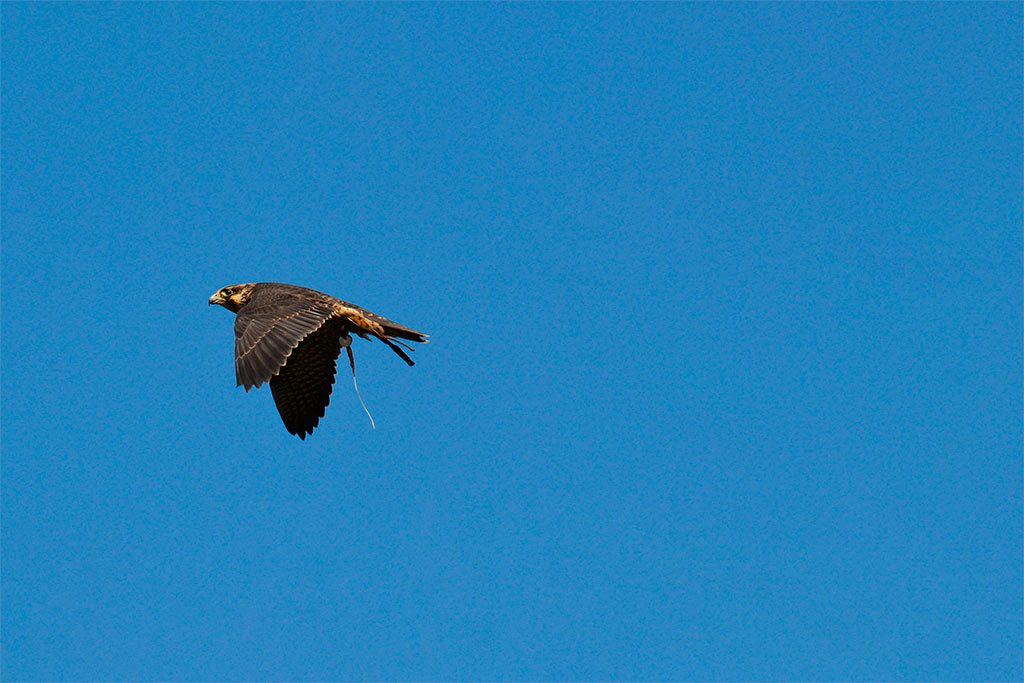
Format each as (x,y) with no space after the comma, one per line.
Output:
(725,375)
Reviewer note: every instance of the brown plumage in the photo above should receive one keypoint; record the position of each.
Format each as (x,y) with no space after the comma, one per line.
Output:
(292,336)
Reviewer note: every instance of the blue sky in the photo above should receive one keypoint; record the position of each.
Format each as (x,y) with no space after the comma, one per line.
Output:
(725,373)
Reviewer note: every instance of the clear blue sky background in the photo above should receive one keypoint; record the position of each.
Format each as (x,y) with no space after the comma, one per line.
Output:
(725,375)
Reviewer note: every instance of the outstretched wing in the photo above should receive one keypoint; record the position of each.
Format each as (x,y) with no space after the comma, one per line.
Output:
(268,329)
(302,389)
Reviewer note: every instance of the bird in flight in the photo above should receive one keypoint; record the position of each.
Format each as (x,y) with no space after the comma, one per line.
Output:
(292,336)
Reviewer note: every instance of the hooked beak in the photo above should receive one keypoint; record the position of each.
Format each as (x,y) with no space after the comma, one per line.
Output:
(216,299)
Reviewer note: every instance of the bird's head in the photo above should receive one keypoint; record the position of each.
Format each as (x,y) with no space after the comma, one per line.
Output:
(232,297)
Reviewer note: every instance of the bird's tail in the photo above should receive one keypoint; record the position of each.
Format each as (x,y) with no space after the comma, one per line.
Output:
(393,334)
(393,329)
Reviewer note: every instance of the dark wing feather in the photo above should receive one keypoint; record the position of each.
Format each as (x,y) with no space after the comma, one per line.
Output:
(302,389)
(268,328)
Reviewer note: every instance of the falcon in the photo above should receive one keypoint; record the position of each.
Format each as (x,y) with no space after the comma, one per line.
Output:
(292,336)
